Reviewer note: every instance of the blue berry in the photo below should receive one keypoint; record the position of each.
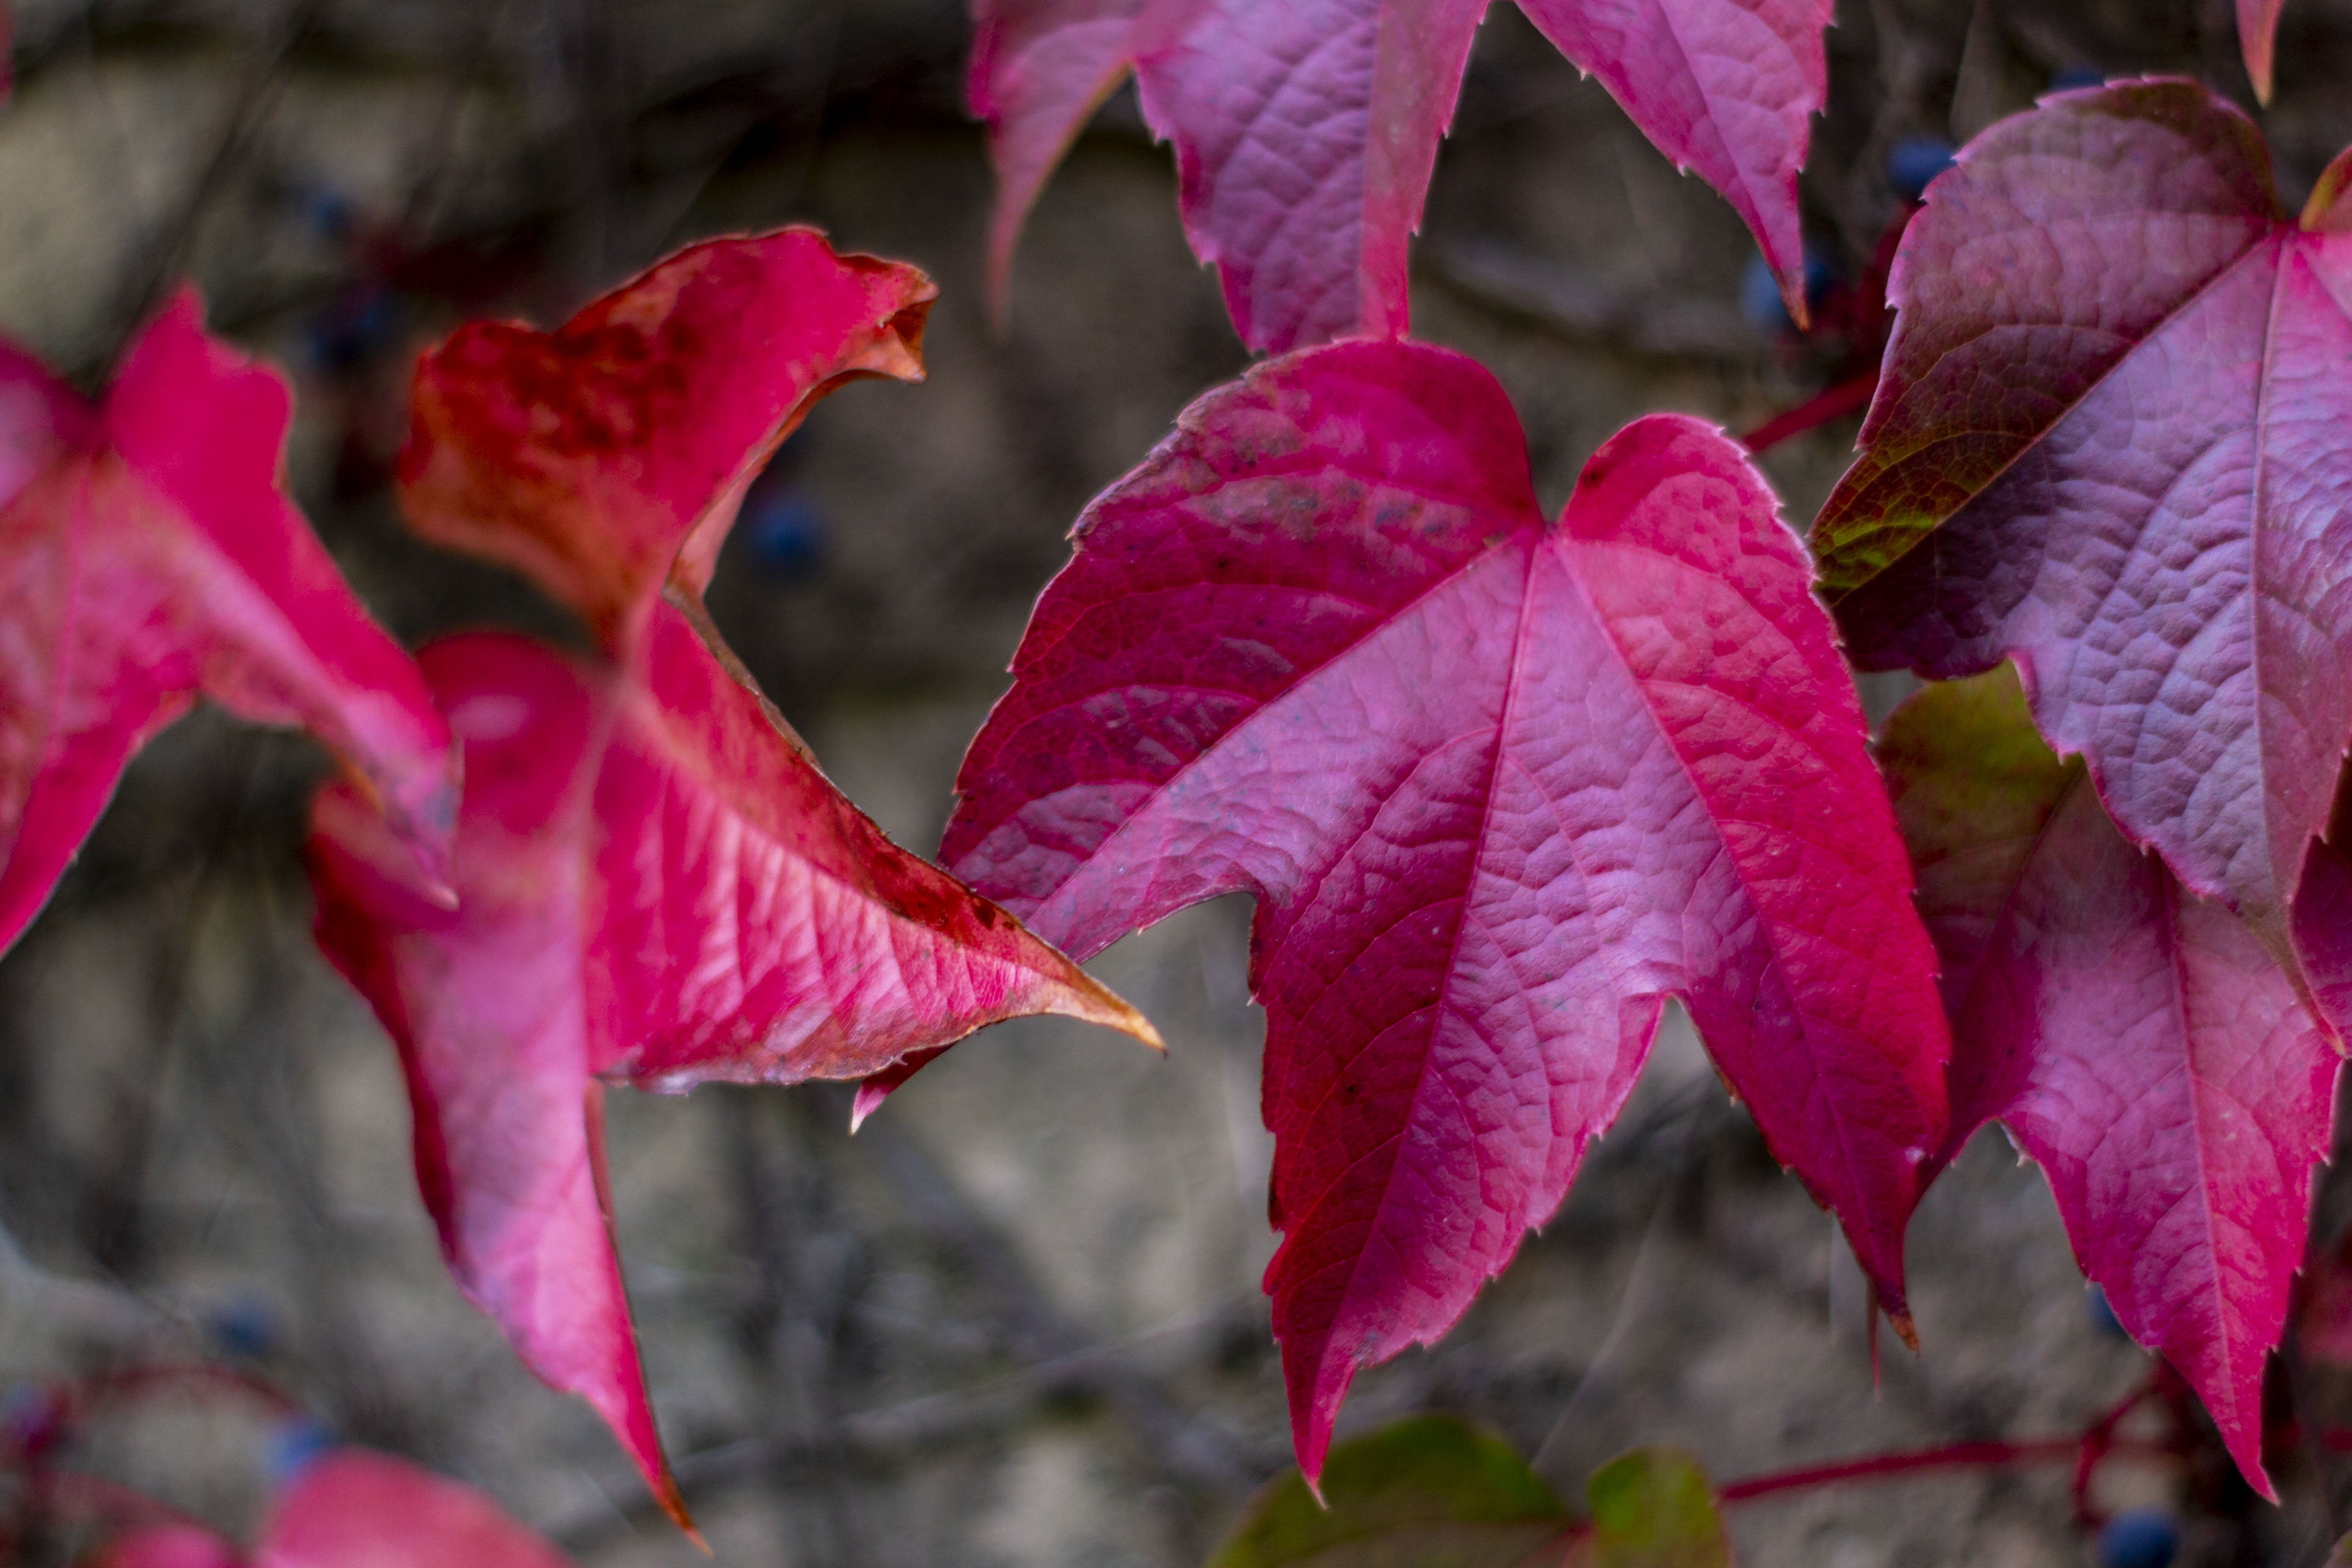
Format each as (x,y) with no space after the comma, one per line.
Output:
(2066,78)
(1913,161)
(2102,1315)
(2139,1538)
(246,1329)
(784,531)
(294,1443)
(1759,290)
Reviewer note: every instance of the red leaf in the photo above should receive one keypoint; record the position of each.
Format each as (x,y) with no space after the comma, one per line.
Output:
(354,1509)
(147,554)
(2109,445)
(1306,132)
(2137,1042)
(658,886)
(647,415)
(1501,789)
(2258,38)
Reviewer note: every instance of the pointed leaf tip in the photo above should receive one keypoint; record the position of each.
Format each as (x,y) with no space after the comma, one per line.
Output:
(2258,41)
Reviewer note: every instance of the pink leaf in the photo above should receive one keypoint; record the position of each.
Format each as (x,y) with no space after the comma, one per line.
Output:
(2137,1042)
(1306,132)
(148,555)
(2109,445)
(658,886)
(2258,39)
(1501,788)
(354,1509)
(1039,70)
(1723,87)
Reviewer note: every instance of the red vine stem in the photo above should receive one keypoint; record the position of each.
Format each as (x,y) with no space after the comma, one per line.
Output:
(1850,396)
(2094,1442)
(1955,1456)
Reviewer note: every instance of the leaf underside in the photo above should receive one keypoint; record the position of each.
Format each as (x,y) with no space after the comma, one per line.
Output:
(1306,132)
(2137,1042)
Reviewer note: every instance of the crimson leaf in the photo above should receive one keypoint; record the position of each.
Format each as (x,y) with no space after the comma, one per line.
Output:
(2137,1041)
(2109,444)
(1501,787)
(148,555)
(658,887)
(1305,130)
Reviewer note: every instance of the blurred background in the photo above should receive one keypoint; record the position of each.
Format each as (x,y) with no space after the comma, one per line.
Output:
(1016,1320)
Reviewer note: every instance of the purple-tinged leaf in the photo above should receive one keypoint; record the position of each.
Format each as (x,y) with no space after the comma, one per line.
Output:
(2109,444)
(1306,132)
(1501,788)
(2138,1042)
(1724,88)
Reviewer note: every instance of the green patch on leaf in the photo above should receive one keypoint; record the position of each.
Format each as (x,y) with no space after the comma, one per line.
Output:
(1429,1492)
(1652,1509)
(1436,1493)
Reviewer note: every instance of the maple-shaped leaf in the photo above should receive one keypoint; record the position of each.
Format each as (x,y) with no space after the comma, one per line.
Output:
(2137,1041)
(2109,444)
(1501,787)
(149,555)
(353,1509)
(2258,38)
(657,886)
(1305,130)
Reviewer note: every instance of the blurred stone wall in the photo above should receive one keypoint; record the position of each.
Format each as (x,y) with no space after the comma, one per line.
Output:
(1016,1321)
